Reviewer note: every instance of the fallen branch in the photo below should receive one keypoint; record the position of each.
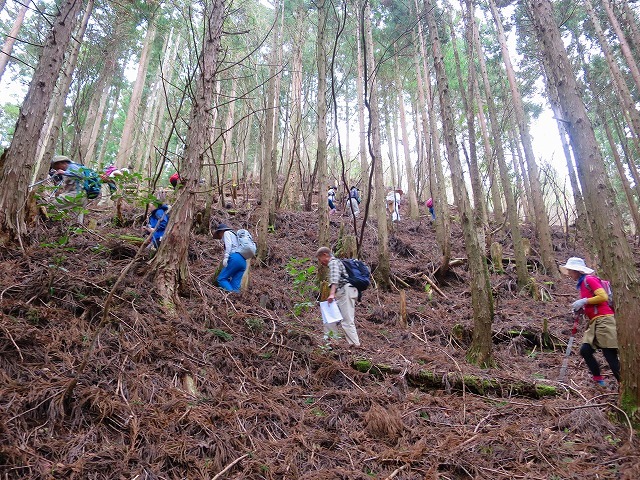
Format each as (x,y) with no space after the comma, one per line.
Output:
(430,282)
(228,467)
(429,380)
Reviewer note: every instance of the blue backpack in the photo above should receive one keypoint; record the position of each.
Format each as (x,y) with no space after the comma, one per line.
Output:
(358,274)
(91,181)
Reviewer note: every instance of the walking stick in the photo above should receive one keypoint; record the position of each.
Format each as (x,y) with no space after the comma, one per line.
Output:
(565,361)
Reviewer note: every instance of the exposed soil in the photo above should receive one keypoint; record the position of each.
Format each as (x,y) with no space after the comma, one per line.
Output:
(244,386)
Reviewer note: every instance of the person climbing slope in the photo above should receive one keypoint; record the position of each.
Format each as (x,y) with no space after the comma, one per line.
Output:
(601,332)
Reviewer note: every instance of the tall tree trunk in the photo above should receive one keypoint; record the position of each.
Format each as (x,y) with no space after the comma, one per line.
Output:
(362,137)
(267,186)
(295,130)
(19,160)
(624,46)
(437,188)
(169,266)
(491,154)
(512,208)
(518,166)
(95,111)
(622,90)
(51,130)
(479,206)
(126,140)
(106,134)
(383,270)
(7,47)
(615,253)
(631,22)
(542,220)
(321,108)
(628,155)
(481,298)
(391,142)
(411,180)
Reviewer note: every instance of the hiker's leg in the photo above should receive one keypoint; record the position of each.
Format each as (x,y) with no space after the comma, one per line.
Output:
(346,299)
(611,356)
(240,266)
(231,276)
(587,352)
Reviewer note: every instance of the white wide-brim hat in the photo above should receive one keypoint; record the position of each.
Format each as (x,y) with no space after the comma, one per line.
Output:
(577,264)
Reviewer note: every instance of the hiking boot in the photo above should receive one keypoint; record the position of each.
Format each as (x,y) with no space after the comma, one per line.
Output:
(599,381)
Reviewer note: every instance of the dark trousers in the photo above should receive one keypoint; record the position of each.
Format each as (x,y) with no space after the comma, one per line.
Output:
(610,355)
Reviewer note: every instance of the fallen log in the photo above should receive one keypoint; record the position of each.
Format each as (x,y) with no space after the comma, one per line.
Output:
(430,380)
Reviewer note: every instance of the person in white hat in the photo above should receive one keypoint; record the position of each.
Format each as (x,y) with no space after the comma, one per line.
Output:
(601,332)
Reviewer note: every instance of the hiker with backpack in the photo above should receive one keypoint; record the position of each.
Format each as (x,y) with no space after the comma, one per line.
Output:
(342,292)
(353,202)
(77,185)
(331,198)
(157,224)
(595,295)
(238,248)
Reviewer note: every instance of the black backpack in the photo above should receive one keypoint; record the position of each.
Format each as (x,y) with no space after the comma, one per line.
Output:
(358,274)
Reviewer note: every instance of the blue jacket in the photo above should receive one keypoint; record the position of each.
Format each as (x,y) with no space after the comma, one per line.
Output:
(159,217)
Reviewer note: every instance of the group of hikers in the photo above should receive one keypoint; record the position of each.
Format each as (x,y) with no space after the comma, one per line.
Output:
(77,184)
(352,204)
(393,200)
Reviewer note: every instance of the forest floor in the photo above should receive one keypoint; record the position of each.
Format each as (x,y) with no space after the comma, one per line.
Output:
(243,386)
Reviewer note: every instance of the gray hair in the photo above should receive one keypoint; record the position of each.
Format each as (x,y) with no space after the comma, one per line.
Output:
(323,251)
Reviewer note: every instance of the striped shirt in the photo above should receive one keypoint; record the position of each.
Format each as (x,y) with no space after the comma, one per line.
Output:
(337,273)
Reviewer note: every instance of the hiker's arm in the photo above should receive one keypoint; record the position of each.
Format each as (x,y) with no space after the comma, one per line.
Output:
(332,293)
(227,238)
(599,296)
(599,293)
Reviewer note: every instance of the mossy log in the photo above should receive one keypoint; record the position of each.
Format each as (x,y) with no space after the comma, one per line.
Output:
(131,239)
(430,380)
(541,339)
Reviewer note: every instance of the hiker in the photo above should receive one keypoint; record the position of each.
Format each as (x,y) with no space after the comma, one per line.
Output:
(108,184)
(233,263)
(174,179)
(601,332)
(157,224)
(342,292)
(69,193)
(430,207)
(354,192)
(393,204)
(353,202)
(331,198)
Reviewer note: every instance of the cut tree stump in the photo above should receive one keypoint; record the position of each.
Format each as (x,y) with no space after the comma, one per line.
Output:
(430,380)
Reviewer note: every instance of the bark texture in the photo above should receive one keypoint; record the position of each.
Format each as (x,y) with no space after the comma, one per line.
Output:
(480,351)
(615,253)
(169,266)
(19,160)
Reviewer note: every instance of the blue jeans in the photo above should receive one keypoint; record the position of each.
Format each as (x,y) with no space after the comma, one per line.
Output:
(231,276)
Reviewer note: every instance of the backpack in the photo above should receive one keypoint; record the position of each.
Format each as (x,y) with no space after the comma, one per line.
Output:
(91,181)
(606,285)
(246,246)
(354,194)
(358,274)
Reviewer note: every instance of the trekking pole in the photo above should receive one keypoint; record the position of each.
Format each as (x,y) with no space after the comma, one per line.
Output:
(39,183)
(565,361)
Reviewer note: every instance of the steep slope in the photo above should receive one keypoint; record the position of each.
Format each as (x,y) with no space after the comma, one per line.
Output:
(243,386)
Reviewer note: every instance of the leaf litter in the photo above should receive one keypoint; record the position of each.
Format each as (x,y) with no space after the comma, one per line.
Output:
(243,386)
